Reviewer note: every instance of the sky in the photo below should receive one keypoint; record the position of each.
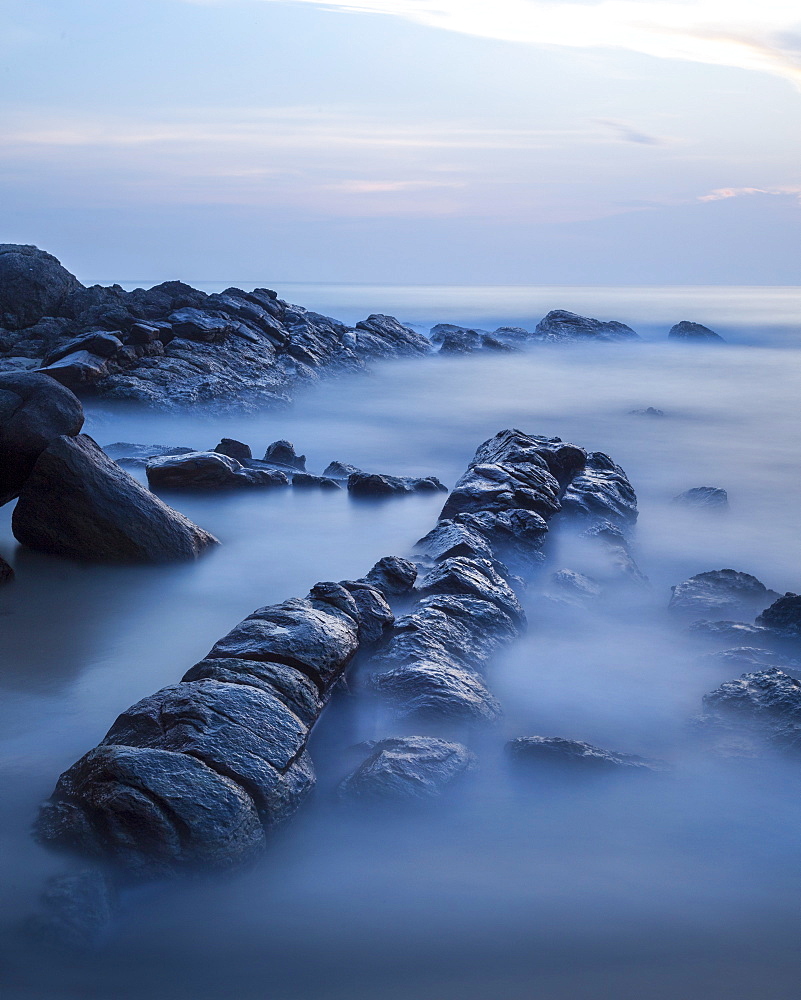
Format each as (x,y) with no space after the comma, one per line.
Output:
(624,142)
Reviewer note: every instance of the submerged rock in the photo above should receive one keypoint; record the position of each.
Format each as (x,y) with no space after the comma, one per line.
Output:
(365,484)
(408,768)
(208,470)
(726,593)
(304,479)
(283,453)
(649,411)
(561,326)
(79,503)
(340,470)
(34,410)
(694,333)
(553,752)
(703,498)
(75,910)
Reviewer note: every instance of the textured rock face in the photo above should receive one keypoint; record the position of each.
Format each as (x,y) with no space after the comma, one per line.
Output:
(6,572)
(408,768)
(553,752)
(695,333)
(770,694)
(720,594)
(703,498)
(283,453)
(78,503)
(33,284)
(560,326)
(602,490)
(34,411)
(234,449)
(365,484)
(197,774)
(784,615)
(204,470)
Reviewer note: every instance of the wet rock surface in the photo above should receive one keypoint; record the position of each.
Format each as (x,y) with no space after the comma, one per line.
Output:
(79,503)
(555,753)
(722,594)
(703,498)
(365,484)
(561,326)
(6,572)
(694,333)
(407,768)
(783,616)
(757,713)
(203,470)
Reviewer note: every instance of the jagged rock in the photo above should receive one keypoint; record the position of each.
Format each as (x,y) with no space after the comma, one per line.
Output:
(79,370)
(33,284)
(98,342)
(75,909)
(515,536)
(497,488)
(393,576)
(283,453)
(208,470)
(378,330)
(138,455)
(365,484)
(560,326)
(695,333)
(784,615)
(703,498)
(457,339)
(34,410)
(573,587)
(408,768)
(79,503)
(147,333)
(617,551)
(425,689)
(234,449)
(195,324)
(762,694)
(6,572)
(649,411)
(473,578)
(553,752)
(304,479)
(452,538)
(601,491)
(724,592)
(339,470)
(374,615)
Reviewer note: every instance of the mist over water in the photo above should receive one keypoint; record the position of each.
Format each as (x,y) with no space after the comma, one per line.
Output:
(680,885)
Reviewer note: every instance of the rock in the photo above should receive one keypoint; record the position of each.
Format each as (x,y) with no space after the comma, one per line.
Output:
(378,330)
(497,488)
(452,538)
(79,503)
(723,593)
(784,615)
(283,453)
(408,768)
(6,572)
(436,689)
(374,615)
(560,326)
(79,370)
(703,498)
(147,333)
(304,479)
(762,694)
(234,449)
(19,364)
(694,333)
(393,576)
(732,631)
(34,410)
(99,343)
(752,658)
(553,752)
(33,284)
(75,910)
(601,491)
(365,484)
(207,470)
(573,587)
(621,565)
(649,411)
(138,455)
(473,578)
(338,470)
(457,339)
(195,324)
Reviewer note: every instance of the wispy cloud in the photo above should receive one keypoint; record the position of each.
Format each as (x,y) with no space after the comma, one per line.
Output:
(747,34)
(629,133)
(723,194)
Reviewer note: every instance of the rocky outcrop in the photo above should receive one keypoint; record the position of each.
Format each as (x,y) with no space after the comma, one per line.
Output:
(234,449)
(366,484)
(694,333)
(196,775)
(34,411)
(77,502)
(560,327)
(783,616)
(649,411)
(204,470)
(137,456)
(6,572)
(552,753)
(703,498)
(720,594)
(407,768)
(758,712)
(172,346)
(283,453)
(462,340)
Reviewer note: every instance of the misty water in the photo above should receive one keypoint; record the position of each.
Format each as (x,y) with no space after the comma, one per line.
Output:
(681,885)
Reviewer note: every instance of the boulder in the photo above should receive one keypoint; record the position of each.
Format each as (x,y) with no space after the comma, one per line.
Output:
(378,330)
(694,333)
(473,578)
(427,689)
(783,616)
(98,342)
(407,768)
(601,491)
(365,484)
(208,470)
(703,498)
(393,576)
(720,594)
(555,753)
(560,327)
(339,470)
(75,910)
(79,370)
(761,695)
(303,479)
(457,339)
(138,455)
(6,572)
(195,324)
(79,503)
(574,588)
(33,284)
(283,453)
(34,410)
(234,449)
(649,411)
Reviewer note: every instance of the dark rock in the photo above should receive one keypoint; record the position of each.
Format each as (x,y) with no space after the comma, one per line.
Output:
(283,453)
(338,470)
(752,658)
(703,498)
(208,470)
(762,694)
(723,593)
(79,503)
(574,587)
(473,578)
(515,536)
(75,910)
(374,614)
(649,411)
(6,572)
(784,615)
(194,324)
(304,479)
(393,576)
(560,326)
(98,342)
(138,455)
(34,410)
(33,284)
(572,755)
(601,491)
(694,332)
(408,768)
(234,449)
(377,330)
(501,487)
(365,484)
(617,551)
(457,339)
(432,689)
(145,333)
(451,538)
(79,370)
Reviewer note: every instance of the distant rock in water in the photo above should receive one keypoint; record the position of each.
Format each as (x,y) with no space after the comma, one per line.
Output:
(205,470)
(720,593)
(463,340)
(649,411)
(365,484)
(695,333)
(759,711)
(555,753)
(174,346)
(283,453)
(234,449)
(560,326)
(407,768)
(138,455)
(784,616)
(703,498)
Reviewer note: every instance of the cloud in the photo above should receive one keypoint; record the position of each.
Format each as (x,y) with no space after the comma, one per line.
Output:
(628,133)
(761,36)
(723,194)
